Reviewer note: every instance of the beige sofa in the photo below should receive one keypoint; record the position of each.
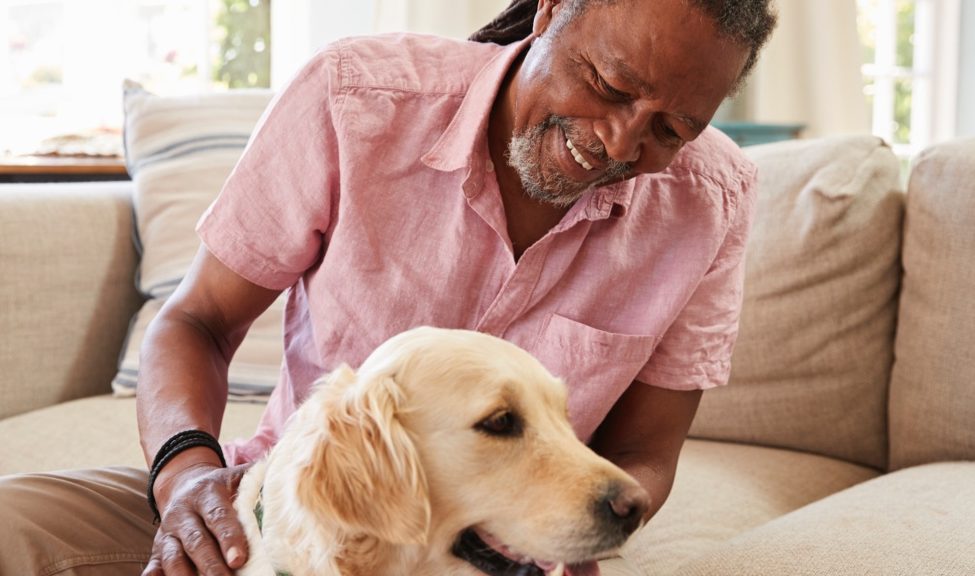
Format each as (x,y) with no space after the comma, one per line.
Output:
(843,445)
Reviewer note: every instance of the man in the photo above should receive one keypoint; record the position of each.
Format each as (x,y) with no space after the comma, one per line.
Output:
(563,192)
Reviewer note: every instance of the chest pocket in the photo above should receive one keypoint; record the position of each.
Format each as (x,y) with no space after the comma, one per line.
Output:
(597,366)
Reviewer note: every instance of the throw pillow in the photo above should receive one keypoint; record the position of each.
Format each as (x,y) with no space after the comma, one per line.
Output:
(179,151)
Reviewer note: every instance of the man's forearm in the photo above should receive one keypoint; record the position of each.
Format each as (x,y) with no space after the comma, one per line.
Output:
(644,433)
(182,386)
(182,383)
(656,475)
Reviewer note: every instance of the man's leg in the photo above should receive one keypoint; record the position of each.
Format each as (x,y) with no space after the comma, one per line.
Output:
(81,522)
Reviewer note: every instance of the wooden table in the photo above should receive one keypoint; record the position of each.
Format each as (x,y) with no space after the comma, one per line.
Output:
(61,168)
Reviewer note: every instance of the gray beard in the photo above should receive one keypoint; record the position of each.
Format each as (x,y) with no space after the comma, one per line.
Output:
(551,186)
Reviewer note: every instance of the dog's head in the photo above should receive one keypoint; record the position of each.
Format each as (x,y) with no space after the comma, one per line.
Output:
(461,441)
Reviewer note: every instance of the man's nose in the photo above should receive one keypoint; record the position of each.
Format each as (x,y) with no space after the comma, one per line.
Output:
(624,134)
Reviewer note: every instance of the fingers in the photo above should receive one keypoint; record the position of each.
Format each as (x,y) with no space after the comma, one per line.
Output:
(153,568)
(203,551)
(200,532)
(221,520)
(168,558)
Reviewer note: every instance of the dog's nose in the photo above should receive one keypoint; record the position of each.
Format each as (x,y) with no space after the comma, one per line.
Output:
(625,506)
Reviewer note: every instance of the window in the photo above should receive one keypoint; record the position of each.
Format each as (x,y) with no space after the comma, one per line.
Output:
(910,71)
(62,62)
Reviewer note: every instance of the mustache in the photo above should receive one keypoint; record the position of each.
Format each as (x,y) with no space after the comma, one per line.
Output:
(593,146)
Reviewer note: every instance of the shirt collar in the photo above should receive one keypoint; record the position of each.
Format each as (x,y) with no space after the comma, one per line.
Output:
(608,201)
(455,147)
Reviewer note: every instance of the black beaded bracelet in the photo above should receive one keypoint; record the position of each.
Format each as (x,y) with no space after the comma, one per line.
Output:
(179,442)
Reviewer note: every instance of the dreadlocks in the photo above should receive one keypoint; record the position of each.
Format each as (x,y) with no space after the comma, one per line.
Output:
(748,22)
(511,25)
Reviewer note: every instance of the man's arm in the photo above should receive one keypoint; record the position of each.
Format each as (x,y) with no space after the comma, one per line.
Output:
(183,386)
(643,434)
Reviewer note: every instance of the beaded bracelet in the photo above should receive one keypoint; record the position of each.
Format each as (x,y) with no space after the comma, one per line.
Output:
(179,442)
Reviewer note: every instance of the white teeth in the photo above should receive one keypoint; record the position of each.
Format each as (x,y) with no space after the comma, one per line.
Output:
(575,154)
(558,570)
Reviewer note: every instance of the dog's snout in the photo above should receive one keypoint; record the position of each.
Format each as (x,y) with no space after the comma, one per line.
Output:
(624,506)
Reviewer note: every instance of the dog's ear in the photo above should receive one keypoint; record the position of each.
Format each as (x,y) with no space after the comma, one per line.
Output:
(364,471)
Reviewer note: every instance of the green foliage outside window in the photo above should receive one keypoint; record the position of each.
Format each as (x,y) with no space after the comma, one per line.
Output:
(905,57)
(869,10)
(244,57)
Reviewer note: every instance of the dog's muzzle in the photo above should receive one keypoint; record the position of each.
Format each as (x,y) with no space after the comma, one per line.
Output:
(471,548)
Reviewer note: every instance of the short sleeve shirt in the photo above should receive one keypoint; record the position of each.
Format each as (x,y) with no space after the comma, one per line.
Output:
(368,194)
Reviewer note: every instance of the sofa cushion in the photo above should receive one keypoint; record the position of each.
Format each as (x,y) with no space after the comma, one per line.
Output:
(67,291)
(104,434)
(812,361)
(724,489)
(179,151)
(932,394)
(914,521)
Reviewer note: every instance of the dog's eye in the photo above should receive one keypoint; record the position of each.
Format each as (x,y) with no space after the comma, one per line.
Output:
(503,423)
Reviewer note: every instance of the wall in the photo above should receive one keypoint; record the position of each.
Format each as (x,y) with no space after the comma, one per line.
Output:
(300,27)
(966,71)
(454,18)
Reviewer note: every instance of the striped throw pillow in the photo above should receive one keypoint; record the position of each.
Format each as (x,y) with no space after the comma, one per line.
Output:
(179,151)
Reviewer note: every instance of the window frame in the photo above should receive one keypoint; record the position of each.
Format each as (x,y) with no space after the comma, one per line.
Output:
(933,74)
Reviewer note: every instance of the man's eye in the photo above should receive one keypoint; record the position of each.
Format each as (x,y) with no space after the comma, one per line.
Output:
(501,423)
(608,90)
(667,134)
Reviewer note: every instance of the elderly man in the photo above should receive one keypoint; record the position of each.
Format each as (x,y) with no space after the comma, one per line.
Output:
(562,191)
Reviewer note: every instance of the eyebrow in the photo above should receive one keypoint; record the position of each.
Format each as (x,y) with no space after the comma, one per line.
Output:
(623,69)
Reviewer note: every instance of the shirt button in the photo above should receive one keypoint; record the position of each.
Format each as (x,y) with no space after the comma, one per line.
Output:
(490,166)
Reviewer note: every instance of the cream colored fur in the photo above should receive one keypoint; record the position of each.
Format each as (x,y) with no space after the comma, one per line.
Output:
(380,470)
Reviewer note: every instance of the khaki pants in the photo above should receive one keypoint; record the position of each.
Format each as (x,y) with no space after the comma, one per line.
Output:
(81,522)
(89,522)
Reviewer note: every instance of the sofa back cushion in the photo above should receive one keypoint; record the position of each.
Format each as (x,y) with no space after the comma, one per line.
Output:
(811,366)
(179,150)
(932,395)
(66,290)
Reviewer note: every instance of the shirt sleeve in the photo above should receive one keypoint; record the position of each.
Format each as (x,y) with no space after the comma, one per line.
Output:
(271,218)
(695,352)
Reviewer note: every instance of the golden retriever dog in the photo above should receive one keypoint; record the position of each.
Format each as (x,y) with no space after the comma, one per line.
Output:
(447,453)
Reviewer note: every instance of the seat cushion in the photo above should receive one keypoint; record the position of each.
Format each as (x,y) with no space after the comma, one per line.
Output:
(914,521)
(92,432)
(724,489)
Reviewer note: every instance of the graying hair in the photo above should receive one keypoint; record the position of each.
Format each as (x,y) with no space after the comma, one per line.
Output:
(747,22)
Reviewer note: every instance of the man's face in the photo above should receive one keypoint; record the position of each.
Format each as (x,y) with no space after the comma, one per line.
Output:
(613,92)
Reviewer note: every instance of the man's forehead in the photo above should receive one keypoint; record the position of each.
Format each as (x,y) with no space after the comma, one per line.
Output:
(621,68)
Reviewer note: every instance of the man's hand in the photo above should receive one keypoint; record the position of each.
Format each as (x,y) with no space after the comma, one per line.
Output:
(199,532)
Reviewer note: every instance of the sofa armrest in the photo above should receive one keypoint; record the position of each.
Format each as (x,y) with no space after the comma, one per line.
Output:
(67,293)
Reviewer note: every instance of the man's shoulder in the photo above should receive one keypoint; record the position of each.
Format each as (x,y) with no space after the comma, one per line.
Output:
(411,62)
(715,156)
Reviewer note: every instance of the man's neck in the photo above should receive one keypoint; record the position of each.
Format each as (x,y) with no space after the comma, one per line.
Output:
(501,124)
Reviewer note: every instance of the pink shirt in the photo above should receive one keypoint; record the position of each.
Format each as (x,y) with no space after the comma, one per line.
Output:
(367,191)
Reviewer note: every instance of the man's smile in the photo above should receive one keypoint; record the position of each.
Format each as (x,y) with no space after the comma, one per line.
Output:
(577,155)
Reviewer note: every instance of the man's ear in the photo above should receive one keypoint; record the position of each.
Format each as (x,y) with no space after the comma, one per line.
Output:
(547,9)
(365,472)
